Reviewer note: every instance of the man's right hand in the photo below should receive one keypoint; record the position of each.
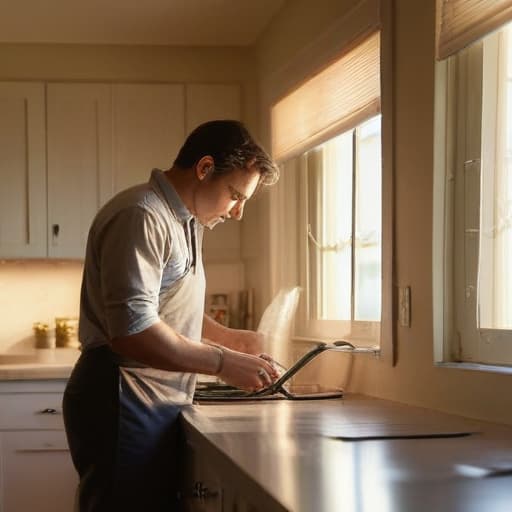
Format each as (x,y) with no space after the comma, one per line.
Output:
(246,371)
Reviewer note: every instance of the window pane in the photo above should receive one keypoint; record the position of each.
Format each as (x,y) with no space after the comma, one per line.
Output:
(345,281)
(336,261)
(368,193)
(504,203)
(495,265)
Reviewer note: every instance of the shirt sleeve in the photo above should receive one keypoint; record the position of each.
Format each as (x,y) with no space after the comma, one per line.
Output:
(131,258)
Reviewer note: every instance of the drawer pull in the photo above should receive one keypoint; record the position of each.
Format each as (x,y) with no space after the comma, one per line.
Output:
(42,450)
(49,410)
(202,493)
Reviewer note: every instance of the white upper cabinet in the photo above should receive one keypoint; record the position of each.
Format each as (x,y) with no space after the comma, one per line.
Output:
(79,139)
(148,130)
(63,155)
(22,170)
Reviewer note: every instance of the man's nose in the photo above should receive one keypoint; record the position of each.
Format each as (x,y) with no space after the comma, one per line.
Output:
(237,211)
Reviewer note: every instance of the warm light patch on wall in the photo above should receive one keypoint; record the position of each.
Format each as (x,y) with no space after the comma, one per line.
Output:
(35,291)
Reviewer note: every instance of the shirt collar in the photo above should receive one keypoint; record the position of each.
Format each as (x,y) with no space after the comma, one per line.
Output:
(159,181)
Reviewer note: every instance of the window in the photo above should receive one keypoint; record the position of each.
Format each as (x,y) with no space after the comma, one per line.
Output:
(474,180)
(495,262)
(343,184)
(327,135)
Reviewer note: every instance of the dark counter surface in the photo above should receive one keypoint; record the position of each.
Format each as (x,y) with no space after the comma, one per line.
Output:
(333,455)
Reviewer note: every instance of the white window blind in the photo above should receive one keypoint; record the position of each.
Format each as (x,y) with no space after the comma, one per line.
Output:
(335,100)
(461,22)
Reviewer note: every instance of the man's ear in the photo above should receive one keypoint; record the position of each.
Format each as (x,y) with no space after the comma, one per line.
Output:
(204,167)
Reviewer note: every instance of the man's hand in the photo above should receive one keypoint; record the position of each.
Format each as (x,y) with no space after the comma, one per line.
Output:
(246,371)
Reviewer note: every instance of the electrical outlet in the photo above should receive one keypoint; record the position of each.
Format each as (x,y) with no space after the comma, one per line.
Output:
(404,306)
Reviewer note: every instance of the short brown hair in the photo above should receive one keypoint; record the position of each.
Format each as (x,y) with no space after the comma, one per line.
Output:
(231,146)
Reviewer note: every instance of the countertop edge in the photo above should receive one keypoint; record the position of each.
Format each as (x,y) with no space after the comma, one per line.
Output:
(34,372)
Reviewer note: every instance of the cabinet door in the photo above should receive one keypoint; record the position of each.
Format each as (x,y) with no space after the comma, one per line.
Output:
(201,490)
(206,102)
(79,163)
(23,170)
(148,130)
(37,472)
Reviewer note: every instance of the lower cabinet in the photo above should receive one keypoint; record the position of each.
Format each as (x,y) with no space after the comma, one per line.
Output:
(212,486)
(36,472)
(201,489)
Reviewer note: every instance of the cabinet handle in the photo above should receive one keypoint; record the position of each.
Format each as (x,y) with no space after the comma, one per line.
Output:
(203,493)
(48,410)
(55,230)
(42,450)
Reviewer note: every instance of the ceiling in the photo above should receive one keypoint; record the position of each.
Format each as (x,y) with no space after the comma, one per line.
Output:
(144,22)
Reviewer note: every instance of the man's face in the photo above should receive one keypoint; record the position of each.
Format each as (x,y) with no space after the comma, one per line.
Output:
(222,197)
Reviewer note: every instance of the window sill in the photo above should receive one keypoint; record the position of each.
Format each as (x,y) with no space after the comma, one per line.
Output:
(492,368)
(358,350)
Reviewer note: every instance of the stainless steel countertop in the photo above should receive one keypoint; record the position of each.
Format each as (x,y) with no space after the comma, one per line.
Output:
(290,450)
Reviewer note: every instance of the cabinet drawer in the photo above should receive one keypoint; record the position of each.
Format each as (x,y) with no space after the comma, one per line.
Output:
(31,411)
(37,472)
(34,442)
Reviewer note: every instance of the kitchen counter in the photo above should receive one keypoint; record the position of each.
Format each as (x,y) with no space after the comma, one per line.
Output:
(307,456)
(38,364)
(35,371)
(290,455)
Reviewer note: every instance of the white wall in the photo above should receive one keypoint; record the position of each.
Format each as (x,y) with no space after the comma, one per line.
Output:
(414,379)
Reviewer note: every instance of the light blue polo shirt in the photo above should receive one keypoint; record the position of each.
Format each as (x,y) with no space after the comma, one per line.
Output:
(143,263)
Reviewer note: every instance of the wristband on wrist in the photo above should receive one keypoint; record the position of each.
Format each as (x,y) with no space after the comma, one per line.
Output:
(220,364)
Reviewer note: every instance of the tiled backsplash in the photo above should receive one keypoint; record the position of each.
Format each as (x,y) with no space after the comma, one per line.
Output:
(35,291)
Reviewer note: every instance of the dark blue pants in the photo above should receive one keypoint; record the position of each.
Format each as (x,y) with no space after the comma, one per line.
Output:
(127,453)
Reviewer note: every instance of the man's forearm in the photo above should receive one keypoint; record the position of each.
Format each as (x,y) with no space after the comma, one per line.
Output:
(159,346)
(241,340)
(215,332)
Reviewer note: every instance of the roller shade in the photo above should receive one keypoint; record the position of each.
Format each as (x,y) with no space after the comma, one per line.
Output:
(461,22)
(335,100)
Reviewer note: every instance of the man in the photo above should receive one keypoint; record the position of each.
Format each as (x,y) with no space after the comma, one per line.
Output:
(142,321)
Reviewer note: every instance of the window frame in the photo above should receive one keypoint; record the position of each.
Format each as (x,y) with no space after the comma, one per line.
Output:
(368,15)
(458,340)
(364,333)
